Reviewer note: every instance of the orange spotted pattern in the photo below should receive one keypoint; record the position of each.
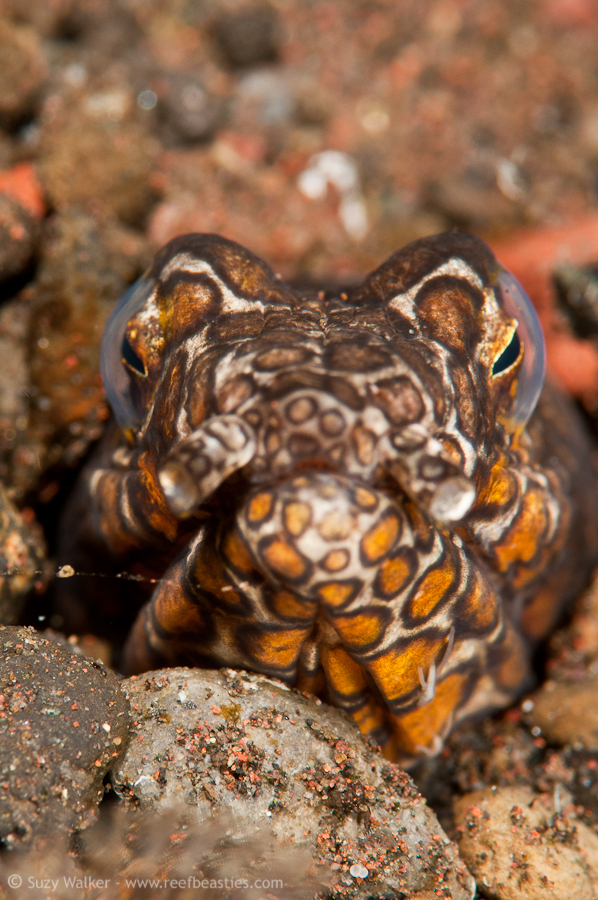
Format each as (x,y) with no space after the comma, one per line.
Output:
(340,489)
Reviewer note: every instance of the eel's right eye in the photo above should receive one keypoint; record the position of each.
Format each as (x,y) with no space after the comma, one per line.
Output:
(529,331)
(118,360)
(509,355)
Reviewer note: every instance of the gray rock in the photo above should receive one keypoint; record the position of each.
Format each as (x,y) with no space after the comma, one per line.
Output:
(191,111)
(521,848)
(248,36)
(63,723)
(238,744)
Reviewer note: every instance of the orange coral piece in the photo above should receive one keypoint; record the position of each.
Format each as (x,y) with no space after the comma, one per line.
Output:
(22,185)
(531,255)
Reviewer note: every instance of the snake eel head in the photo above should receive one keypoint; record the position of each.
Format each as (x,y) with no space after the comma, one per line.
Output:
(222,368)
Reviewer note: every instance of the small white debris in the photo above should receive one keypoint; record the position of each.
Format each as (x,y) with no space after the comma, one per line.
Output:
(182,696)
(508,179)
(75,75)
(108,105)
(354,216)
(312,183)
(339,170)
(141,779)
(106,727)
(358,871)
(374,119)
(65,572)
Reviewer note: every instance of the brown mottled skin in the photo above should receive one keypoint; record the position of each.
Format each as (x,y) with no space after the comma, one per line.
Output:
(331,489)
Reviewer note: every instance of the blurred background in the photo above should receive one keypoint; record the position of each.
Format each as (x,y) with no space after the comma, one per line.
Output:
(181,115)
(321,134)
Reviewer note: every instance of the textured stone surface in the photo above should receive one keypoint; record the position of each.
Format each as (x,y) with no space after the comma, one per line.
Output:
(85,268)
(22,70)
(518,846)
(567,712)
(63,723)
(228,742)
(97,151)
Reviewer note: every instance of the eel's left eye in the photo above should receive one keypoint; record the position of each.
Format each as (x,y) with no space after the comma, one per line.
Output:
(131,359)
(118,359)
(529,334)
(509,355)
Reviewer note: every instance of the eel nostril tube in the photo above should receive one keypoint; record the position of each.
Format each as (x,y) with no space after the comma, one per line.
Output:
(426,471)
(180,488)
(452,499)
(199,464)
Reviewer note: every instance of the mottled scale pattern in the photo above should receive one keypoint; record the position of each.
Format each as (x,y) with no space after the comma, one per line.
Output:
(344,490)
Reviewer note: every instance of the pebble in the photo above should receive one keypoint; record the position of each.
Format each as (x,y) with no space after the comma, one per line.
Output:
(22,71)
(63,723)
(189,110)
(86,265)
(567,712)
(248,36)
(22,555)
(229,742)
(269,93)
(519,848)
(95,151)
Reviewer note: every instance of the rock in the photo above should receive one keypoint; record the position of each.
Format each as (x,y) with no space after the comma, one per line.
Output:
(44,18)
(265,98)
(22,71)
(22,555)
(85,268)
(18,236)
(567,712)
(248,36)
(63,723)
(229,742)
(96,151)
(189,110)
(519,848)
(472,199)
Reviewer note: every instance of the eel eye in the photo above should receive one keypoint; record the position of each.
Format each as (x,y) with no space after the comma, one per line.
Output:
(509,355)
(118,360)
(131,359)
(527,339)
